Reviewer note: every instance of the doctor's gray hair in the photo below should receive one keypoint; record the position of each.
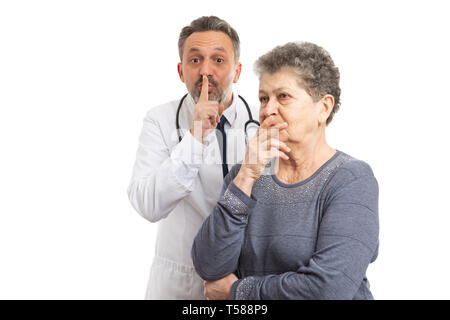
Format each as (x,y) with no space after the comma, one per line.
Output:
(211,23)
(316,70)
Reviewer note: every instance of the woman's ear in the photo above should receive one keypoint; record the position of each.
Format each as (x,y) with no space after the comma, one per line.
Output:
(326,106)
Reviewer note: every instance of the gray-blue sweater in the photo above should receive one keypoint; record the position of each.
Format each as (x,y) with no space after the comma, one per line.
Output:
(309,240)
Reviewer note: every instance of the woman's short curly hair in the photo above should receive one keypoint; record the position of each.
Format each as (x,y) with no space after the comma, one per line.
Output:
(316,70)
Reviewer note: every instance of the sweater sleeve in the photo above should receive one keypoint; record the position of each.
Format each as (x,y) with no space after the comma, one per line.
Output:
(347,242)
(217,245)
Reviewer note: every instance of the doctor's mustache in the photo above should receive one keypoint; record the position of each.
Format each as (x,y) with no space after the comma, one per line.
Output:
(211,81)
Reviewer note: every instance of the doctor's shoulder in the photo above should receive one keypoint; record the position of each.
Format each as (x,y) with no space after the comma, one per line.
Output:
(160,121)
(163,114)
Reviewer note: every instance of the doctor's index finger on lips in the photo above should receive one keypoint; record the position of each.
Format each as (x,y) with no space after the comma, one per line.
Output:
(204,97)
(204,91)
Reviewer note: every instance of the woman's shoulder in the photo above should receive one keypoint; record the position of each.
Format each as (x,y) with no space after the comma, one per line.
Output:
(354,167)
(350,170)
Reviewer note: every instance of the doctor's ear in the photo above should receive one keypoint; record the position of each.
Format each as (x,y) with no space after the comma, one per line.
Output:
(326,104)
(237,72)
(180,71)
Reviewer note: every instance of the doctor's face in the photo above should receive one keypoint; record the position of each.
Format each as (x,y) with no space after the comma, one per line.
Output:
(209,53)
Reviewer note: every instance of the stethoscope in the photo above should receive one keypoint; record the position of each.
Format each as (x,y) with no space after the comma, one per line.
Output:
(251,124)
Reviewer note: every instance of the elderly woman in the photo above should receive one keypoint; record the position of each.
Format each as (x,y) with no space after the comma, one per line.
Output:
(297,219)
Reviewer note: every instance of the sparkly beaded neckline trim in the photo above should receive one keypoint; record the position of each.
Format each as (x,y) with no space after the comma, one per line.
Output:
(318,171)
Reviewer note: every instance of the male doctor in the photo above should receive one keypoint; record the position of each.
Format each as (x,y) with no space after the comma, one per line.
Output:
(178,174)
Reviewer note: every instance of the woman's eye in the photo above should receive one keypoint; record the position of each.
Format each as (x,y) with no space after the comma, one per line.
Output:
(283,96)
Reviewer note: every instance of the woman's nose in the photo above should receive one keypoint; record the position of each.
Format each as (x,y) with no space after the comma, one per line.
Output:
(271,108)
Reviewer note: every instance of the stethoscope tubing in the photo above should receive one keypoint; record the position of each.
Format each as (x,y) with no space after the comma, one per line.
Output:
(249,121)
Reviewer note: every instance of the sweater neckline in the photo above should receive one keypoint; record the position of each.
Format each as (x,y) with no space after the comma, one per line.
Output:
(322,167)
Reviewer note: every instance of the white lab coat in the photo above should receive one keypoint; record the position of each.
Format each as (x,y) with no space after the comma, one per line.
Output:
(158,194)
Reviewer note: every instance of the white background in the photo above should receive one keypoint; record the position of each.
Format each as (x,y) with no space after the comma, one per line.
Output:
(77,77)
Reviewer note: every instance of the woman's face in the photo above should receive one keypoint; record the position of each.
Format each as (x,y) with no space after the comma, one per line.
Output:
(282,98)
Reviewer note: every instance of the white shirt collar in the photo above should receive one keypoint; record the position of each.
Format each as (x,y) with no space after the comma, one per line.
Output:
(230,113)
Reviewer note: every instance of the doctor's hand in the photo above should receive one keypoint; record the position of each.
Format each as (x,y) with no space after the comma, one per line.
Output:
(220,289)
(264,146)
(206,114)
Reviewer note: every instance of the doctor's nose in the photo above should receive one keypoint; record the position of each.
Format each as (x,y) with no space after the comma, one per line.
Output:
(205,69)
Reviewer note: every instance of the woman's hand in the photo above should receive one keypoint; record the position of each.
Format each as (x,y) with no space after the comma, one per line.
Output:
(263,147)
(220,289)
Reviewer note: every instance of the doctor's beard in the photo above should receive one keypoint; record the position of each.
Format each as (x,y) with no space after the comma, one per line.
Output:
(218,94)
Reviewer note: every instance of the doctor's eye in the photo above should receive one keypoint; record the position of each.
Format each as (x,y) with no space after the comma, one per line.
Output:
(195,60)
(263,99)
(219,60)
